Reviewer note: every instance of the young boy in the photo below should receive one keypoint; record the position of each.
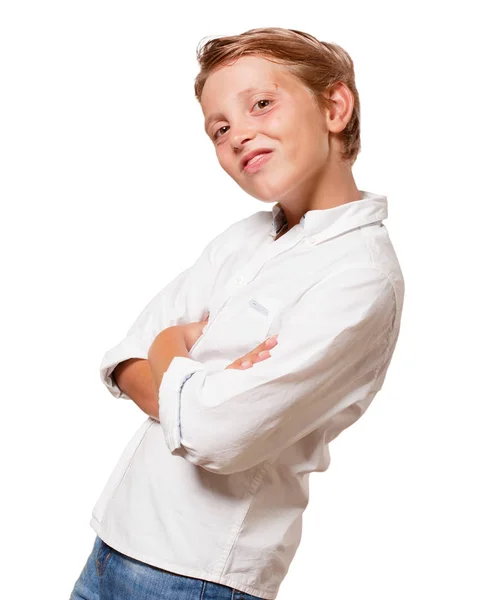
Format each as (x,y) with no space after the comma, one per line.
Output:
(207,499)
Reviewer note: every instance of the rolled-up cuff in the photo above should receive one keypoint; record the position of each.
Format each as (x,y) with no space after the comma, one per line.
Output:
(179,371)
(130,347)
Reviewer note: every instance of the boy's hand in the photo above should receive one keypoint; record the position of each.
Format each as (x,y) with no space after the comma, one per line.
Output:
(193,331)
(259,353)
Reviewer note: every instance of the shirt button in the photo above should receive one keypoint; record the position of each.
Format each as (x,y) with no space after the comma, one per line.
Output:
(239,280)
(311,241)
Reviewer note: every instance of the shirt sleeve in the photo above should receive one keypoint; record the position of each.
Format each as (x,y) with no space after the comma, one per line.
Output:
(184,300)
(331,347)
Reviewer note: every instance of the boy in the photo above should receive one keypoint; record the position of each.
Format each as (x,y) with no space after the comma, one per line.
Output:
(207,498)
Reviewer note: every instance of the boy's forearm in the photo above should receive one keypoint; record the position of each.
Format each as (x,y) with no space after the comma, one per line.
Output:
(134,378)
(166,346)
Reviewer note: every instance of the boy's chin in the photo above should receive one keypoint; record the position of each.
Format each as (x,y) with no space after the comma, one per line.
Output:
(272,194)
(265,191)
(263,196)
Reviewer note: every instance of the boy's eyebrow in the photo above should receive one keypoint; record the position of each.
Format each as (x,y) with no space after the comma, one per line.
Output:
(241,93)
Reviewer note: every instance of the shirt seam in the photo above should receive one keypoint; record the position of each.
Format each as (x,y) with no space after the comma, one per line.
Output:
(255,486)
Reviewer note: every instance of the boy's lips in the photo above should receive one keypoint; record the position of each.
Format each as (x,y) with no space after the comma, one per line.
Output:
(257,163)
(247,157)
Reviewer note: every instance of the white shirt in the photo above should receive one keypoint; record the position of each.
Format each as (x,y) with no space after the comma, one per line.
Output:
(217,487)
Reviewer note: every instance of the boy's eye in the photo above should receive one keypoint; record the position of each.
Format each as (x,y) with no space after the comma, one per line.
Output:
(215,135)
(263,100)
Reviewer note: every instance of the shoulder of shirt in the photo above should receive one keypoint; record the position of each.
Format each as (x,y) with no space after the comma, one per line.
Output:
(252,221)
(234,233)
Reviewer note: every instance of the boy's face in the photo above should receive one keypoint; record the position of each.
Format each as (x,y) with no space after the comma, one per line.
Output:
(278,113)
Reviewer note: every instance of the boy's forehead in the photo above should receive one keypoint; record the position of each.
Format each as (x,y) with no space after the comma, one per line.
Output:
(247,66)
(245,72)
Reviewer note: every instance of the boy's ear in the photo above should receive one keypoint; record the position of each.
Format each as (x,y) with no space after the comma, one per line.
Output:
(338,106)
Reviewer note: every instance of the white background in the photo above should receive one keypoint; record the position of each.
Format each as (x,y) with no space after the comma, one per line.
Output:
(109,188)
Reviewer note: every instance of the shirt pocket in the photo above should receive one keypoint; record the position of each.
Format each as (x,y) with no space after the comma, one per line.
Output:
(243,323)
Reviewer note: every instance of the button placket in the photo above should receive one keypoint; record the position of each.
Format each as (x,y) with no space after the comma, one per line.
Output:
(286,243)
(263,257)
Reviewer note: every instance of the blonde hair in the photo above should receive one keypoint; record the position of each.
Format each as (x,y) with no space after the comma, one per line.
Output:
(318,65)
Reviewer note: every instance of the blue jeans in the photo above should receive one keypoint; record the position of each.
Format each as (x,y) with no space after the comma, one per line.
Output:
(111,575)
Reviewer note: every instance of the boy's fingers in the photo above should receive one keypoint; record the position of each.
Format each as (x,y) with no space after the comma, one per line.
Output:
(270,342)
(256,355)
(262,349)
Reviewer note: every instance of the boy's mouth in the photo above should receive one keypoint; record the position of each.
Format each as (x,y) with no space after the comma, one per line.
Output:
(251,157)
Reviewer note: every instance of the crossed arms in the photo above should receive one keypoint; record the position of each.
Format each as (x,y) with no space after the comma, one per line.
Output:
(140,378)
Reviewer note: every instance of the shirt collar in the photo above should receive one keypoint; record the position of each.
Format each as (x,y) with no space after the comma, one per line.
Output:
(330,222)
